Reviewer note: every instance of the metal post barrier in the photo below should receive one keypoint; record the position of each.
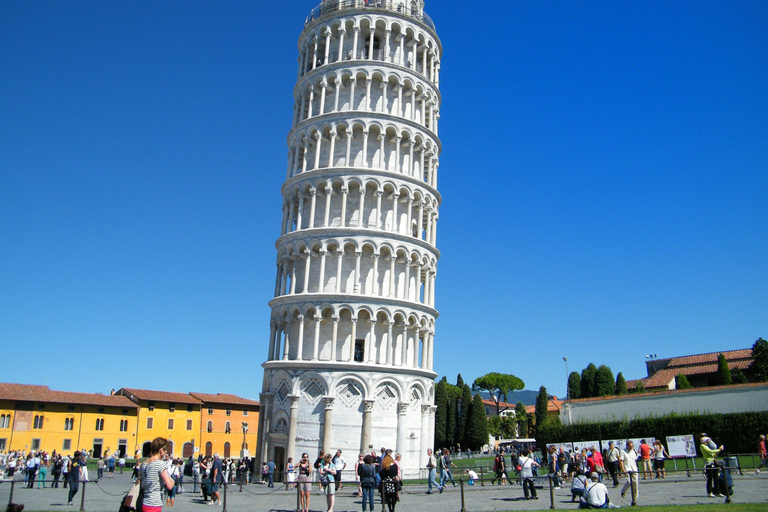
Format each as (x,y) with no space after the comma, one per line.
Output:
(195,488)
(461,484)
(241,482)
(224,506)
(482,482)
(10,498)
(82,498)
(298,498)
(551,493)
(686,468)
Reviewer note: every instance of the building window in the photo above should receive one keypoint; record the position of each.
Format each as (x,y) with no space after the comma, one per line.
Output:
(100,424)
(172,407)
(2,444)
(70,408)
(124,411)
(210,411)
(150,422)
(123,425)
(227,428)
(151,406)
(227,450)
(189,424)
(38,422)
(5,420)
(190,408)
(170,423)
(245,413)
(66,445)
(210,427)
(359,350)
(35,444)
(41,406)
(229,412)
(69,424)
(100,409)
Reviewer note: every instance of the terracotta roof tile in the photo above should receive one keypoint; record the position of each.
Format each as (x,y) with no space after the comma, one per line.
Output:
(224,398)
(730,355)
(37,393)
(662,378)
(159,396)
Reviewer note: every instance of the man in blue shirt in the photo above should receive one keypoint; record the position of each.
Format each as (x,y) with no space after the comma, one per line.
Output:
(271,473)
(75,468)
(217,476)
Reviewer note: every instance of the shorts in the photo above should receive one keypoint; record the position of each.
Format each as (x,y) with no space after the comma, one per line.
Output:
(329,489)
(304,483)
(147,508)
(291,477)
(214,488)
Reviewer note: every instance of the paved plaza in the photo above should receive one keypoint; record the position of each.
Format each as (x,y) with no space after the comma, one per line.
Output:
(106,495)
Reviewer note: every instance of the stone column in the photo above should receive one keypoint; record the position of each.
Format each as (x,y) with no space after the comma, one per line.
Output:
(339,260)
(316,342)
(321,280)
(344,192)
(335,337)
(390,342)
(424,436)
(354,337)
(365,444)
(313,204)
(328,423)
(300,341)
(290,452)
(431,429)
(395,223)
(402,411)
(272,332)
(263,430)
(287,344)
(328,195)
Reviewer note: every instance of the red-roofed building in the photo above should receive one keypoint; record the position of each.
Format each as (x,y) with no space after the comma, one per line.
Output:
(699,369)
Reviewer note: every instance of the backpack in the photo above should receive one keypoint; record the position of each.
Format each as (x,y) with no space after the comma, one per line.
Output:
(440,462)
(318,462)
(57,465)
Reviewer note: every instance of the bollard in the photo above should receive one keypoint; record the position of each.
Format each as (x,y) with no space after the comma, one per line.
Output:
(82,498)
(241,483)
(10,498)
(461,485)
(633,487)
(482,482)
(224,506)
(686,468)
(551,493)
(298,498)
(195,488)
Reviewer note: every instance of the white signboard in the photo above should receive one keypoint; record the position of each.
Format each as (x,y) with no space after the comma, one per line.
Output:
(585,445)
(681,446)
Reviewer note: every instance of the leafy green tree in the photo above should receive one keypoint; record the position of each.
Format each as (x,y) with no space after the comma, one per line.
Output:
(459,382)
(522,420)
(604,385)
(681,382)
(477,434)
(621,384)
(758,369)
(640,387)
(738,376)
(498,385)
(441,401)
(588,375)
(542,402)
(450,422)
(574,385)
(723,372)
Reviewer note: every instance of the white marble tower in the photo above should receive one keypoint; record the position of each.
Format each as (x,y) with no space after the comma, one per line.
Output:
(353,318)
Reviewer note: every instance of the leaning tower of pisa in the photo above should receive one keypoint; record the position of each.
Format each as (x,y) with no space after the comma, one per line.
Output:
(352,321)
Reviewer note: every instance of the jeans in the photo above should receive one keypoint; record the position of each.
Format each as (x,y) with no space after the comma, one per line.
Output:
(613,468)
(431,480)
(271,477)
(41,476)
(73,488)
(368,497)
(447,475)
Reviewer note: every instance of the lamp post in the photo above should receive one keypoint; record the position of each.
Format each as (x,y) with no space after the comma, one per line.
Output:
(567,390)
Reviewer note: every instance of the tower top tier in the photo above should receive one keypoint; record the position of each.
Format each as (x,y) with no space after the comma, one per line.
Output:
(410,8)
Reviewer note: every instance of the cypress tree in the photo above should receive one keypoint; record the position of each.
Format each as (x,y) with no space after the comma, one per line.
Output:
(621,384)
(588,381)
(466,411)
(604,385)
(522,420)
(477,434)
(574,386)
(441,401)
(450,422)
(541,407)
(681,382)
(723,372)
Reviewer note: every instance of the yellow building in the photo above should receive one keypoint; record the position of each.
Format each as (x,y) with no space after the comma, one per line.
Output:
(174,416)
(229,424)
(35,417)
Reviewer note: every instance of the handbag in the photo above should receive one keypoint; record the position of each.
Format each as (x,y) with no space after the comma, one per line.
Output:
(134,499)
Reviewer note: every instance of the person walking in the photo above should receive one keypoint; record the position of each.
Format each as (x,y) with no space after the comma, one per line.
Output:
(527,464)
(217,477)
(761,449)
(710,451)
(447,473)
(629,466)
(431,471)
(271,473)
(75,475)
(552,461)
(613,457)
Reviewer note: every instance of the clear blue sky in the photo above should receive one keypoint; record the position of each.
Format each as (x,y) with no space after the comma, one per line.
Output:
(604,178)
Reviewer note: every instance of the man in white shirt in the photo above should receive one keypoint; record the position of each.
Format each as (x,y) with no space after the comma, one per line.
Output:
(629,466)
(595,494)
(339,463)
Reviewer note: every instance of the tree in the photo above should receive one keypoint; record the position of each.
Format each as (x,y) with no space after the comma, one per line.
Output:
(640,387)
(459,382)
(441,401)
(681,382)
(738,376)
(522,420)
(588,381)
(758,370)
(450,422)
(574,386)
(477,435)
(498,385)
(604,385)
(621,384)
(466,407)
(723,372)
(542,403)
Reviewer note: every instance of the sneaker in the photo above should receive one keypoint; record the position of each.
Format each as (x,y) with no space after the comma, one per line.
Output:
(69,503)
(757,471)
(429,492)
(718,495)
(558,487)
(441,490)
(711,495)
